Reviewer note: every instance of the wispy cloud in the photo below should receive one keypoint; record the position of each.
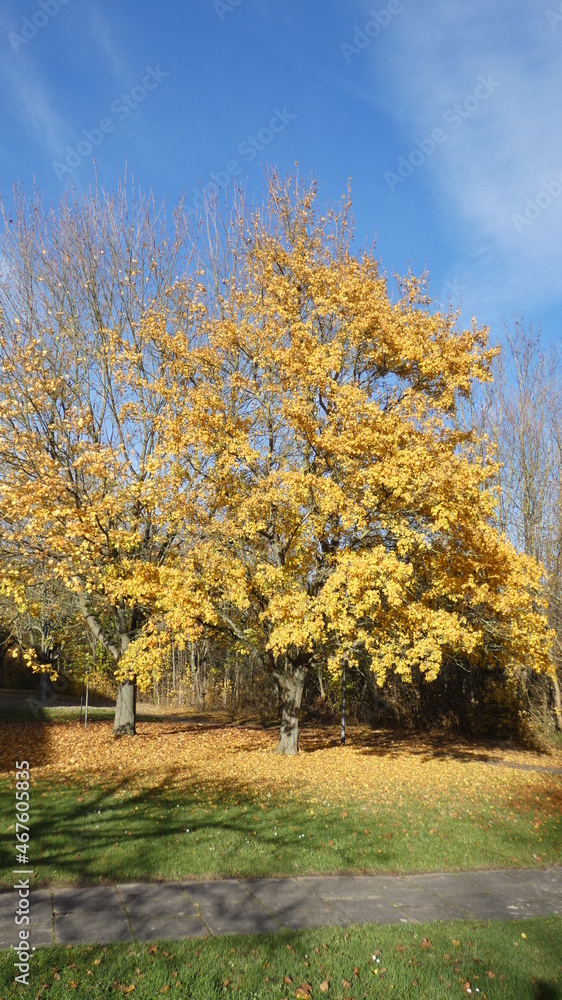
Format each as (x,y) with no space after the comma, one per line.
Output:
(32,103)
(102,34)
(501,156)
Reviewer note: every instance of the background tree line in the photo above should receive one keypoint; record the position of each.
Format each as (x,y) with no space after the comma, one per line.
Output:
(232,458)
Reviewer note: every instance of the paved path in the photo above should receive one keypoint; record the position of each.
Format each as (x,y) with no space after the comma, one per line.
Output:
(154,911)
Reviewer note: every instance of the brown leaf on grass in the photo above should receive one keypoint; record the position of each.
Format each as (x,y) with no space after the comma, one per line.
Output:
(426,943)
(287,980)
(303,991)
(345,984)
(399,947)
(325,986)
(164,988)
(490,974)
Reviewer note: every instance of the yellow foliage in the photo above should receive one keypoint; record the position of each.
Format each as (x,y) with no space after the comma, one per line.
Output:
(270,452)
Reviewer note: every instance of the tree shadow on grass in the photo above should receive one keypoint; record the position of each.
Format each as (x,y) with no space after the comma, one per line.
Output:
(89,833)
(546,991)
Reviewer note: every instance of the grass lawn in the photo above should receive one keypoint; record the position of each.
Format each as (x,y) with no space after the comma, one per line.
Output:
(514,960)
(183,799)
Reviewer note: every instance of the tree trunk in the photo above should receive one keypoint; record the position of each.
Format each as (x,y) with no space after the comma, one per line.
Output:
(557,702)
(291,688)
(200,685)
(45,692)
(125,709)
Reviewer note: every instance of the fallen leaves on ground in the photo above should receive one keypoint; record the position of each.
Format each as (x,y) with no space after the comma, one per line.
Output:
(375,768)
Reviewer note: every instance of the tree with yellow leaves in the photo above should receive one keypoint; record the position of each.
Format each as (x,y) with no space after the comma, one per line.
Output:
(80,458)
(340,512)
(252,439)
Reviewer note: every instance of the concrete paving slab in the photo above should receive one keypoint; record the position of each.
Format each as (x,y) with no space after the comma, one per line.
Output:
(105,928)
(38,900)
(213,888)
(338,886)
(547,881)
(146,899)
(40,924)
(8,903)
(306,919)
(366,911)
(254,922)
(174,928)
(39,937)
(533,908)
(402,892)
(40,909)
(95,900)
(432,909)
(437,881)
(502,883)
(482,905)
(228,908)
(278,894)
(178,910)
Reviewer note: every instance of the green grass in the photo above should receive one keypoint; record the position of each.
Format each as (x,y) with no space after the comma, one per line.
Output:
(86,835)
(517,960)
(33,710)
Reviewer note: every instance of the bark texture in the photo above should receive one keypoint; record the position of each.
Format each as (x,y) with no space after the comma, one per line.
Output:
(291,688)
(125,709)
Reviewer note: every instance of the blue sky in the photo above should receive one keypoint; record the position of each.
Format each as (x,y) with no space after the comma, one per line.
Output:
(446,115)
